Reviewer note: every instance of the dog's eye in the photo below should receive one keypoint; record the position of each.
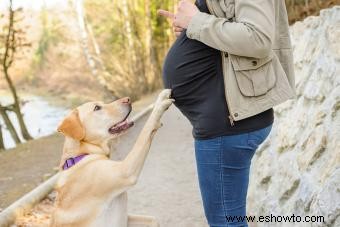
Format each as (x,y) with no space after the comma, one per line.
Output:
(97,108)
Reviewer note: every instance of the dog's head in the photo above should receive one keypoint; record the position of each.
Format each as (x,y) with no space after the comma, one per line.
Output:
(96,122)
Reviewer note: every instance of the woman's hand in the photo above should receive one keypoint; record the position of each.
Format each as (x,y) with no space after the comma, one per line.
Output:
(186,11)
(171,16)
(180,20)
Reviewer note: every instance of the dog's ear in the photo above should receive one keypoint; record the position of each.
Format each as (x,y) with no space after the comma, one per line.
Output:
(71,126)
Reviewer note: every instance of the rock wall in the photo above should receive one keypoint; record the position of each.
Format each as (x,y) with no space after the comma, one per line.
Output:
(296,170)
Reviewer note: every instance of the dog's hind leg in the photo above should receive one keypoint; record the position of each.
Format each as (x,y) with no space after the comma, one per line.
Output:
(142,221)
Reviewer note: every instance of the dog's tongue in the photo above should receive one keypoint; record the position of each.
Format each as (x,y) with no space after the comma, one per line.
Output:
(122,123)
(121,126)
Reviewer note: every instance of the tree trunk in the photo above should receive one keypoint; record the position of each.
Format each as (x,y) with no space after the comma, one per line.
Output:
(127,26)
(307,7)
(16,107)
(84,37)
(150,55)
(84,40)
(134,69)
(9,125)
(2,144)
(6,63)
(98,59)
(22,124)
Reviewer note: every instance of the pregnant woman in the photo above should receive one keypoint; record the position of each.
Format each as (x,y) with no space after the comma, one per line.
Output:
(225,79)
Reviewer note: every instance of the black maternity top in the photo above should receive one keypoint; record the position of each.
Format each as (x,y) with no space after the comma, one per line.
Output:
(193,71)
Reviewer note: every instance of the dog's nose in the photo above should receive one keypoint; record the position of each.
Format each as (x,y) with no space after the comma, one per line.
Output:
(125,100)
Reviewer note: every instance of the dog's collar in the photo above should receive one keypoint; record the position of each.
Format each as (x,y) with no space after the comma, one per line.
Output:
(72,161)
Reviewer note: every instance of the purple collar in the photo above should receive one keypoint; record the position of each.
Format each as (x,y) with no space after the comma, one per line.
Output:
(72,161)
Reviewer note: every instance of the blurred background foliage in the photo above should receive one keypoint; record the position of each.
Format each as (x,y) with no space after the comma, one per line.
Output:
(139,38)
(75,51)
(103,49)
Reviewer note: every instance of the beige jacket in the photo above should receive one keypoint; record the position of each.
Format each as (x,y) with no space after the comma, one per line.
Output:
(253,37)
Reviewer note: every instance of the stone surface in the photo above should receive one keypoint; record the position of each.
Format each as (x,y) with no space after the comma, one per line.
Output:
(296,170)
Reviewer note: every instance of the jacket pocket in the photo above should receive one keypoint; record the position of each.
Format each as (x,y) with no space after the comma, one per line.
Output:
(254,76)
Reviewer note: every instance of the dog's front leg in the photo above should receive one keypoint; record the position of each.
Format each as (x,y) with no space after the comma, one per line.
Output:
(134,161)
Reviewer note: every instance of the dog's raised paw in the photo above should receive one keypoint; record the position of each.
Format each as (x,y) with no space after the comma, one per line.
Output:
(163,100)
(164,94)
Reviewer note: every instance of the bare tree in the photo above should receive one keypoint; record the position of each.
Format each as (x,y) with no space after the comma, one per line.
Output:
(13,41)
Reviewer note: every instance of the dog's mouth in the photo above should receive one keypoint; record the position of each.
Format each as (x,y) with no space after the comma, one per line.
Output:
(122,125)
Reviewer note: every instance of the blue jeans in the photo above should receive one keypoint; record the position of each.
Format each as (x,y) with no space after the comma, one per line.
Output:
(223,173)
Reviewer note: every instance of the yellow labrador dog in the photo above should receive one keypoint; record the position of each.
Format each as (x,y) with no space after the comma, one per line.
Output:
(91,190)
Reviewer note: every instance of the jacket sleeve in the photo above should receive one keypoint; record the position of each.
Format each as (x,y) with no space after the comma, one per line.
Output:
(250,35)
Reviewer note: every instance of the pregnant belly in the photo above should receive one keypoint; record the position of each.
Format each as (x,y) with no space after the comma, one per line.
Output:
(188,65)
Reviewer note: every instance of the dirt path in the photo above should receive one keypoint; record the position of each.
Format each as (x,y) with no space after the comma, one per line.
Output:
(26,166)
(168,186)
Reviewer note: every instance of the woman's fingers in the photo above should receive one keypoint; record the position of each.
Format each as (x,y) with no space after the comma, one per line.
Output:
(177,29)
(166,14)
(175,25)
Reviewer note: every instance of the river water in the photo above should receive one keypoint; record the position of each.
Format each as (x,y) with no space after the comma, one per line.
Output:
(41,117)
